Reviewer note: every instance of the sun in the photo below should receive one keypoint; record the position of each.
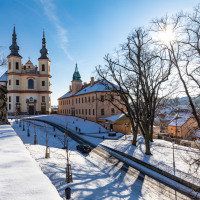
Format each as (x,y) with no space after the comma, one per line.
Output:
(167,35)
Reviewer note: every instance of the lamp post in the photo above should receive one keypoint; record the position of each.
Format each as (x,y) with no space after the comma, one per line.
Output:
(28,132)
(23,126)
(173,153)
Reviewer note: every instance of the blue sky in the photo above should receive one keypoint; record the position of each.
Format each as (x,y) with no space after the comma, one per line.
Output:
(81,31)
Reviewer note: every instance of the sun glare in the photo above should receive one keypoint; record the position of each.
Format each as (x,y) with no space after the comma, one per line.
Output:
(167,35)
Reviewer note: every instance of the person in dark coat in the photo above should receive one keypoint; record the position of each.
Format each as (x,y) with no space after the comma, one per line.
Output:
(76,128)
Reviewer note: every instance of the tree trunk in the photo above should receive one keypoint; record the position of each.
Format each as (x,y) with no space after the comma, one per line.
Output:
(147,142)
(135,130)
(151,131)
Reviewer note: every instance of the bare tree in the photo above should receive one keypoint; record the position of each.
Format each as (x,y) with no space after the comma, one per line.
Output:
(64,140)
(3,59)
(46,135)
(138,71)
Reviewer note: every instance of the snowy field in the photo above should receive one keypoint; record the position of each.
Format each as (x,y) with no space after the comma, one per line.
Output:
(93,177)
(21,177)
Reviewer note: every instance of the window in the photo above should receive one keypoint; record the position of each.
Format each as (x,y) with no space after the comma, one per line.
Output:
(88,99)
(79,100)
(17,99)
(43,83)
(76,101)
(9,106)
(43,68)
(85,111)
(69,111)
(17,82)
(93,99)
(69,101)
(93,111)
(112,111)
(61,103)
(17,65)
(72,101)
(102,111)
(82,100)
(9,82)
(9,65)
(85,99)
(43,99)
(102,98)
(79,111)
(111,98)
(76,111)
(61,111)
(82,111)
(9,98)
(89,111)
(65,111)
(30,84)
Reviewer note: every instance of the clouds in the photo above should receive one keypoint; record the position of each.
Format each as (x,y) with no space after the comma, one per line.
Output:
(50,10)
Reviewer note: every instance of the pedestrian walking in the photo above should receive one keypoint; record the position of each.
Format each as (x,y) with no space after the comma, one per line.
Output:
(76,128)
(79,130)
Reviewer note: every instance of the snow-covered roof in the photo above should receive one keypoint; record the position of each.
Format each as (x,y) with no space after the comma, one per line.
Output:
(114,117)
(196,133)
(4,77)
(178,122)
(99,86)
(168,111)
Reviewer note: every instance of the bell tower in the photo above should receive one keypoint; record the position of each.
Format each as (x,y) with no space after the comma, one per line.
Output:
(14,59)
(76,81)
(44,62)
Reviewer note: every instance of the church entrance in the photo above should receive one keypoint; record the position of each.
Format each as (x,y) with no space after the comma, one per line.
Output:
(31,110)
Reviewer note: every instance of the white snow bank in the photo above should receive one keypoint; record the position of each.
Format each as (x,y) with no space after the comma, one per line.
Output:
(20,176)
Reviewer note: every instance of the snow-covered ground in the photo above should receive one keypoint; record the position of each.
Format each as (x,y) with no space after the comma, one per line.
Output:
(21,177)
(93,177)
(162,151)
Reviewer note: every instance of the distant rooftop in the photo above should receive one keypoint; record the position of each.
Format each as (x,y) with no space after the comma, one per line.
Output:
(4,77)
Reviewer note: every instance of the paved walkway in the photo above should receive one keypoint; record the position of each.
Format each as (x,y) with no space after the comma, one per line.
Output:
(20,175)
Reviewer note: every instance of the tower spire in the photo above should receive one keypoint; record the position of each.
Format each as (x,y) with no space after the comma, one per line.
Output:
(76,75)
(44,52)
(14,47)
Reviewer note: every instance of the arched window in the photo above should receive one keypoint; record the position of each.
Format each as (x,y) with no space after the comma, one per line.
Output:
(30,84)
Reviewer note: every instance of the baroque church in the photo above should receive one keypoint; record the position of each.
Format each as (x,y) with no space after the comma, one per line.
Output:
(29,86)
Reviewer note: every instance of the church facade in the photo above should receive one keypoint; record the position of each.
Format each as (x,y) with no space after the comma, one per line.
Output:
(29,85)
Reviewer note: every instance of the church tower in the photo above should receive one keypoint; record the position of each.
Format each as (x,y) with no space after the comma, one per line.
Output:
(14,59)
(76,81)
(44,62)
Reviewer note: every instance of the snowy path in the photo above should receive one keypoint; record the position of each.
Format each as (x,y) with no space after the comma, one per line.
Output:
(20,176)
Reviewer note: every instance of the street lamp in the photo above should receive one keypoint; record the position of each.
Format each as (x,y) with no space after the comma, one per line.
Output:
(125,129)
(28,132)
(173,153)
